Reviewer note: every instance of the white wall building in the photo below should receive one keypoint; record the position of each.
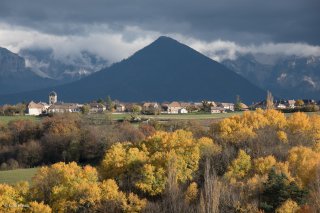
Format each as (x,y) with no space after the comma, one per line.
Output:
(35,109)
(183,111)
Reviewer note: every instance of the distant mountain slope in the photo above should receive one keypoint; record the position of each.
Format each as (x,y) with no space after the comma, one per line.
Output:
(64,69)
(165,70)
(287,76)
(15,77)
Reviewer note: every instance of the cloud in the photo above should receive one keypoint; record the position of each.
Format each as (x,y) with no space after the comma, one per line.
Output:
(245,21)
(110,45)
(114,46)
(220,50)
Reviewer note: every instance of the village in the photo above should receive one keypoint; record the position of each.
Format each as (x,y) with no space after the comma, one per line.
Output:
(154,108)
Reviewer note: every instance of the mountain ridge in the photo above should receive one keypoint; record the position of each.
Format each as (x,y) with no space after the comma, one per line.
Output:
(16,77)
(288,76)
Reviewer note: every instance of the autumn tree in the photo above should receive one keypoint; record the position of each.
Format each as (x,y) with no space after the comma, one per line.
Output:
(269,101)
(113,200)
(299,103)
(146,163)
(299,122)
(66,187)
(192,192)
(239,167)
(10,200)
(35,207)
(110,104)
(289,206)
(304,163)
(237,105)
(263,165)
(85,109)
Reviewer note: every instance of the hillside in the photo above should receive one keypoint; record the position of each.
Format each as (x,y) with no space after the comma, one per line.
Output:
(165,70)
(286,76)
(16,77)
(45,63)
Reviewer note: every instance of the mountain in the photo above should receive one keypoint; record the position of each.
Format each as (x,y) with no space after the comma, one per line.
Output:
(286,76)
(46,64)
(165,70)
(16,77)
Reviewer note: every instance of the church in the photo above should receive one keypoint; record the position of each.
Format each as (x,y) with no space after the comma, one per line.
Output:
(54,106)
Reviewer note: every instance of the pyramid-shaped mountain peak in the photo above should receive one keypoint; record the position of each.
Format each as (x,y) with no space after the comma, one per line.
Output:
(164,43)
(165,49)
(165,39)
(165,70)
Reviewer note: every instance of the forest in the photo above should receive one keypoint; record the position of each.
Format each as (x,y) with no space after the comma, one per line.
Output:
(259,161)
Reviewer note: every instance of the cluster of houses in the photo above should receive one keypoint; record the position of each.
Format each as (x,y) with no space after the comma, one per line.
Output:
(54,106)
(152,107)
(286,104)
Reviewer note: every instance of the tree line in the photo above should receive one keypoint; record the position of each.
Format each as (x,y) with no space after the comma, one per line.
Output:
(259,161)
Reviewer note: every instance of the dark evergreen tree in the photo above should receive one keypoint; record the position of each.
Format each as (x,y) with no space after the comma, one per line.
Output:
(278,189)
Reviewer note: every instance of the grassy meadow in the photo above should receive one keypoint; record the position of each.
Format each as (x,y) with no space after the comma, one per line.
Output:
(7,119)
(14,176)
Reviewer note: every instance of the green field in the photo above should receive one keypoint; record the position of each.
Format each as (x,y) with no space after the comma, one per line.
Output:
(190,116)
(102,118)
(7,119)
(14,176)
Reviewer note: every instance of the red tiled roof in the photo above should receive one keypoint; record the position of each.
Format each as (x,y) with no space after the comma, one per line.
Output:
(174,104)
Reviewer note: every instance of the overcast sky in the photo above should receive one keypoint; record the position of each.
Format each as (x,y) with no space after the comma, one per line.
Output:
(116,29)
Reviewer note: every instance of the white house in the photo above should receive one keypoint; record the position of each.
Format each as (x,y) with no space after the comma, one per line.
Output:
(120,108)
(183,111)
(215,110)
(150,106)
(174,107)
(64,107)
(226,106)
(281,106)
(291,104)
(36,109)
(97,108)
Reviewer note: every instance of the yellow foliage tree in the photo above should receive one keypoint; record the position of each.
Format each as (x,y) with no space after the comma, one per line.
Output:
(150,159)
(299,122)
(121,159)
(282,136)
(283,168)
(110,191)
(234,129)
(315,128)
(303,163)
(153,180)
(35,207)
(110,194)
(275,118)
(239,167)
(263,165)
(288,206)
(10,200)
(241,128)
(208,147)
(256,182)
(66,187)
(134,204)
(192,192)
(316,147)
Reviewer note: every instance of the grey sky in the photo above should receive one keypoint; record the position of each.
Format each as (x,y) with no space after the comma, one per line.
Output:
(244,22)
